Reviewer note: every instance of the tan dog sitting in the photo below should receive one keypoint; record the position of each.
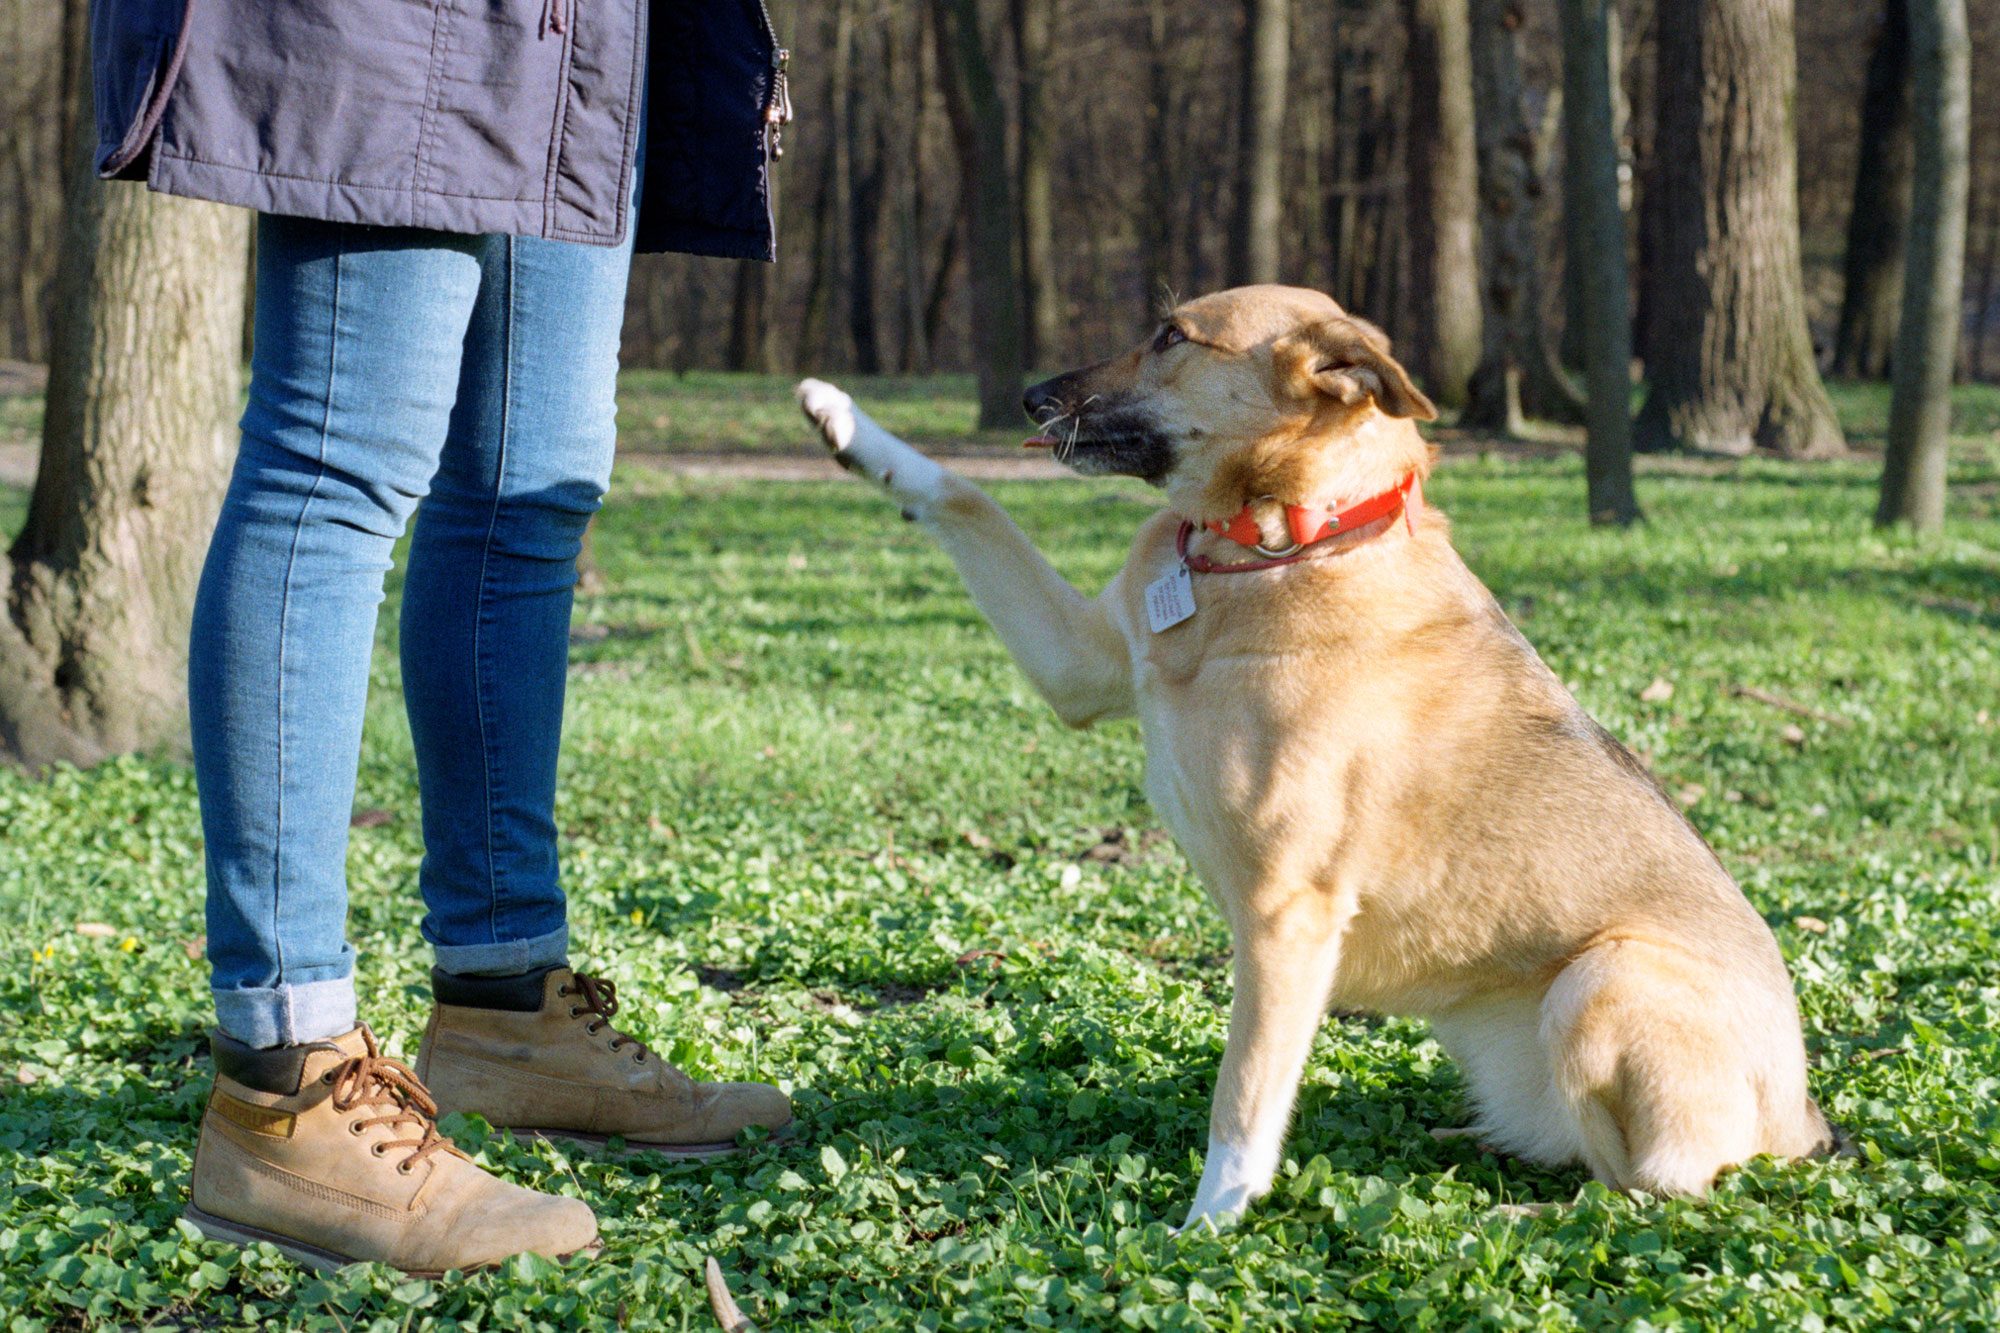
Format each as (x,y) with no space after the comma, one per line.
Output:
(1395,803)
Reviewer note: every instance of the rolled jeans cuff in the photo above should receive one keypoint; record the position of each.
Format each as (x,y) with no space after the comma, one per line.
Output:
(266,1016)
(504,958)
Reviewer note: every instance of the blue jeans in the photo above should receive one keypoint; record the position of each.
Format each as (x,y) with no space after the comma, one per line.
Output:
(470,381)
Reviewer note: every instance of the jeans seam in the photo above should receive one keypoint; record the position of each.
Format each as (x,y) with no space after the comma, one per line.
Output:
(285,614)
(479,609)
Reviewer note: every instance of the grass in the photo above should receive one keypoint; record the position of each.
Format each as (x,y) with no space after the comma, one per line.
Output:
(819,828)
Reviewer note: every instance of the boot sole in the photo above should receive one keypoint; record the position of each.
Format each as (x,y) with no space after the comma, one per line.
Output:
(602,1143)
(312,1256)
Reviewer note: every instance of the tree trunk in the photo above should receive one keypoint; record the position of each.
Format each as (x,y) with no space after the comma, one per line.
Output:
(1872,300)
(1989,281)
(1913,476)
(1443,200)
(1595,234)
(1157,192)
(136,444)
(979,131)
(749,345)
(1254,254)
(1517,376)
(1729,360)
(867,199)
(1570,346)
(1034,42)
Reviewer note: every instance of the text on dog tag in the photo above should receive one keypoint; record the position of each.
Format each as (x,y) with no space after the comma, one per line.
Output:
(1170,599)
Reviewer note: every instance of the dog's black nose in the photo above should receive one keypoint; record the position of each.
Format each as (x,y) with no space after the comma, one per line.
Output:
(1040,401)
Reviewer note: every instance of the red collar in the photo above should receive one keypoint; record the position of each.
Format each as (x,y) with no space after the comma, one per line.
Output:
(1309,525)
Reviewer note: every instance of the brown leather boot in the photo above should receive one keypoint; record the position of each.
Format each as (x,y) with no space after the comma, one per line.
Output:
(331,1152)
(537,1054)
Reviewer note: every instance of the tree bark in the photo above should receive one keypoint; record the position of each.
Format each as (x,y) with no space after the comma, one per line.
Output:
(979,131)
(1729,359)
(1034,42)
(1254,253)
(1517,376)
(1595,227)
(136,444)
(1443,195)
(1157,192)
(1989,281)
(867,199)
(749,343)
(1570,345)
(1872,298)
(1913,475)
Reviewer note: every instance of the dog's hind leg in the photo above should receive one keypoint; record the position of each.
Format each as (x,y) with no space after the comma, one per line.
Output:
(1285,964)
(1663,1095)
(1064,641)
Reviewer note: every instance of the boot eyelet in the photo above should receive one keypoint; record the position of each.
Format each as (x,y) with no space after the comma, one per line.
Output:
(638,1057)
(375,1151)
(357,1129)
(574,1011)
(562,991)
(327,1078)
(404,1168)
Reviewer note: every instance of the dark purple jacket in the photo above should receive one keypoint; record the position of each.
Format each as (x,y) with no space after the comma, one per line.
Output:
(517,116)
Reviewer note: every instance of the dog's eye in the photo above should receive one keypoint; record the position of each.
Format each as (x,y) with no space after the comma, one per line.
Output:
(1170,336)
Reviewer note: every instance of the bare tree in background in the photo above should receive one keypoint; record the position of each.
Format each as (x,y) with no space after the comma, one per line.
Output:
(1444,346)
(1729,360)
(979,131)
(1254,253)
(1034,23)
(1872,296)
(866,164)
(136,443)
(1570,345)
(1517,376)
(1595,226)
(1913,475)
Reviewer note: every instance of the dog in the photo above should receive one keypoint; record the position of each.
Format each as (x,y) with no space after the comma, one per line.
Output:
(1392,799)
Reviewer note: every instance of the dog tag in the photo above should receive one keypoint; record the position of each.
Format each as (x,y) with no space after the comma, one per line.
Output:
(1170,599)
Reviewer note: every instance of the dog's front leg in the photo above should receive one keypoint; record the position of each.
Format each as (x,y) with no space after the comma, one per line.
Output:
(1285,963)
(1065,642)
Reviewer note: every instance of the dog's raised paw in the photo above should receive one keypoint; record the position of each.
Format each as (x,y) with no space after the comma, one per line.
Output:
(829,409)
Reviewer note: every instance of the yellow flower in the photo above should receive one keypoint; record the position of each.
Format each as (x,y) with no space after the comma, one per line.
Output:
(130,944)
(638,917)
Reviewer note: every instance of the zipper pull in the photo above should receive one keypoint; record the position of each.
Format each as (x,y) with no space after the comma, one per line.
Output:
(778,112)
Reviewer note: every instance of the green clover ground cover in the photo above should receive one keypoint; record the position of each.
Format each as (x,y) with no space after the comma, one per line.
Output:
(819,829)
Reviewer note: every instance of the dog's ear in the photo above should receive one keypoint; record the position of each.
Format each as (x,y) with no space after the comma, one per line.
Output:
(1348,360)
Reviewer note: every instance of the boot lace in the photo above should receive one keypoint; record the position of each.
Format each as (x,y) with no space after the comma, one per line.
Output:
(375,1081)
(600,1000)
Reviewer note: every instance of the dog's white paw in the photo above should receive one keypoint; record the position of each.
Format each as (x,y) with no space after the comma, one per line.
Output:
(831,410)
(860,445)
(1212,1223)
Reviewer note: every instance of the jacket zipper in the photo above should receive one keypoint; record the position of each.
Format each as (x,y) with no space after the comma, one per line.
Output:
(778,111)
(778,107)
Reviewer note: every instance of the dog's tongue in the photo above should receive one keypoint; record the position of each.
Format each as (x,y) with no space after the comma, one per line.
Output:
(1040,442)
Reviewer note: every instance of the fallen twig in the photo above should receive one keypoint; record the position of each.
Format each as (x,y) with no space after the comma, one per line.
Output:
(727,1312)
(1792,706)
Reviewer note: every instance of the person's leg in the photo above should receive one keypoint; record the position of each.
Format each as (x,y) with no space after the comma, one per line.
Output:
(486,605)
(313,1140)
(355,369)
(515,1036)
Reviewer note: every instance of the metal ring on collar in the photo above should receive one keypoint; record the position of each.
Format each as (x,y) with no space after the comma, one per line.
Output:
(1266,551)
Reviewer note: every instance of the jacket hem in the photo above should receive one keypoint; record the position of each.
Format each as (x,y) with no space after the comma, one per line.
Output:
(371,205)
